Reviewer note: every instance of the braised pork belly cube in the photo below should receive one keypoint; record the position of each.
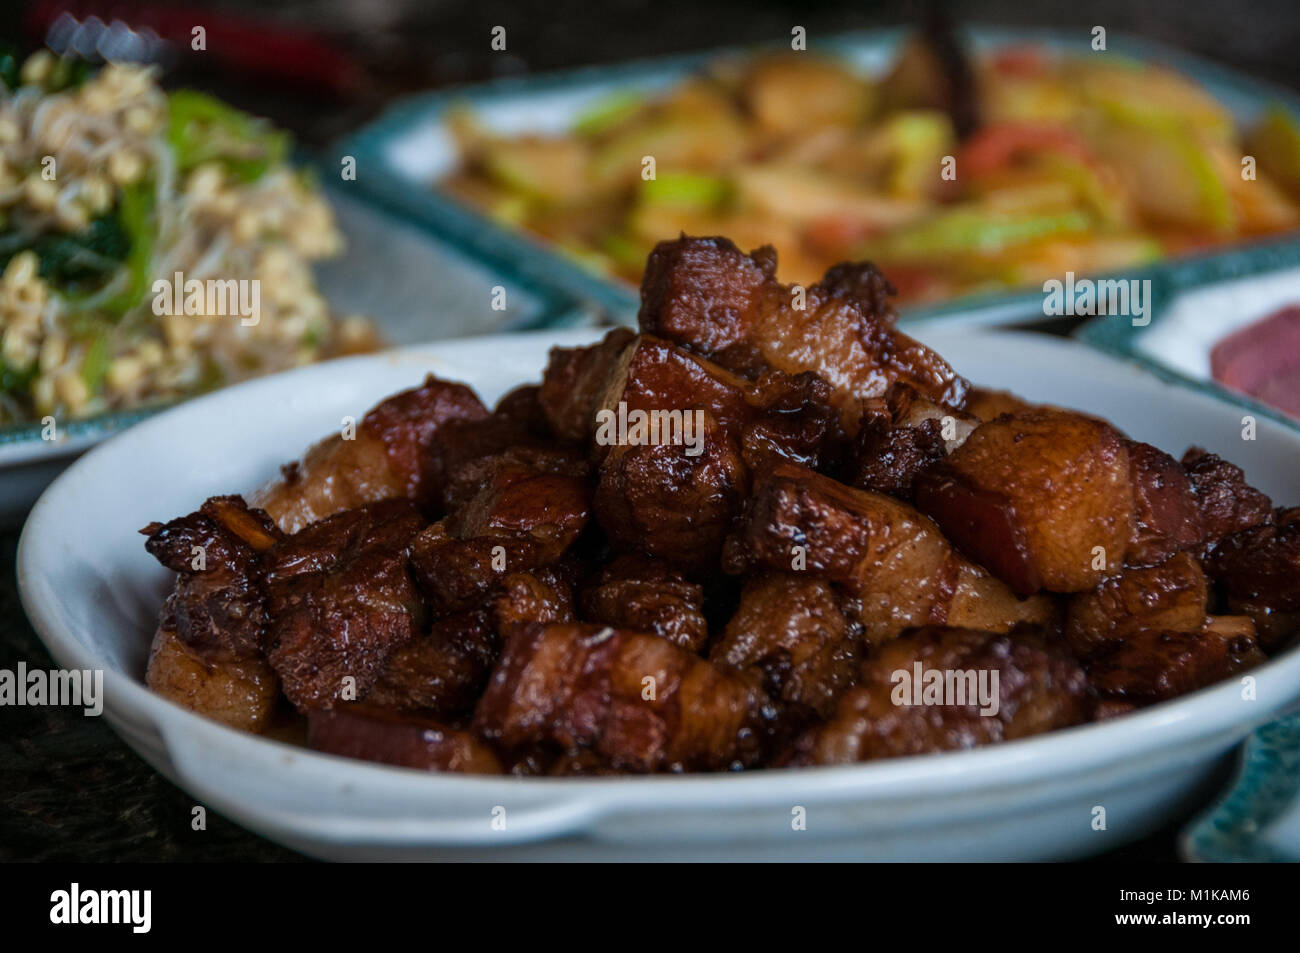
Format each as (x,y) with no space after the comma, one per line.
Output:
(442,671)
(1153,665)
(1166,519)
(934,689)
(217,607)
(241,693)
(1172,596)
(639,702)
(403,739)
(206,653)
(575,381)
(793,630)
(1043,499)
(647,595)
(881,552)
(708,296)
(1258,571)
(1225,502)
(383,459)
(341,599)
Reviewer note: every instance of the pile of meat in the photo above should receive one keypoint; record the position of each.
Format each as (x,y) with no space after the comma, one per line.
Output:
(458,589)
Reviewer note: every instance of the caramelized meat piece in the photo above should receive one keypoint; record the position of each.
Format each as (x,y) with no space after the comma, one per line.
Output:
(663,501)
(1165,516)
(1156,664)
(523,407)
(792,628)
(888,459)
(795,422)
(1171,596)
(891,712)
(1258,570)
(406,740)
(384,459)
(341,599)
(239,692)
(217,609)
(882,552)
(648,595)
(541,596)
(892,451)
(457,574)
(636,700)
(708,296)
(444,671)
(861,283)
(1225,501)
(574,385)
(520,501)
(1032,496)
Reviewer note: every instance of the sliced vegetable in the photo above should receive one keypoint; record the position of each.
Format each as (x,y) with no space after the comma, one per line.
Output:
(1171,176)
(685,189)
(203,129)
(608,112)
(552,170)
(971,229)
(95,364)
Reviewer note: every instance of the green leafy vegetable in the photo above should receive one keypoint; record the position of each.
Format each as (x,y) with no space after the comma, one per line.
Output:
(203,129)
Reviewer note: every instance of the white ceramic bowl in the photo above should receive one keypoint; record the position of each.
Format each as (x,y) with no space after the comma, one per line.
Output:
(93,595)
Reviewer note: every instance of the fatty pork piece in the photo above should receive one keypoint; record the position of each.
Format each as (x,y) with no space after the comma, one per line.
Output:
(902,440)
(1172,597)
(383,459)
(793,630)
(523,517)
(881,552)
(708,296)
(341,599)
(241,693)
(217,606)
(1225,502)
(1258,572)
(1152,665)
(207,652)
(446,669)
(636,700)
(462,454)
(404,739)
(574,384)
(648,595)
(1044,499)
(673,495)
(1039,689)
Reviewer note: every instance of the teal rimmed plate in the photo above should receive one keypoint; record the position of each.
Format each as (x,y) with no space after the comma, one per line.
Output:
(1258,819)
(417,285)
(403,154)
(1198,303)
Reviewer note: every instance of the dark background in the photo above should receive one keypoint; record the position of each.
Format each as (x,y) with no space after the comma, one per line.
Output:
(69,789)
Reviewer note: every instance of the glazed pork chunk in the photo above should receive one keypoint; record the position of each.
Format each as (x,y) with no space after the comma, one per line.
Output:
(1039,689)
(341,599)
(636,700)
(207,651)
(884,554)
(383,459)
(648,595)
(708,296)
(404,739)
(792,628)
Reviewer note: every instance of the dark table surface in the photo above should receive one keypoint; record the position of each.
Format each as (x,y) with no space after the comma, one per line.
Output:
(70,790)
